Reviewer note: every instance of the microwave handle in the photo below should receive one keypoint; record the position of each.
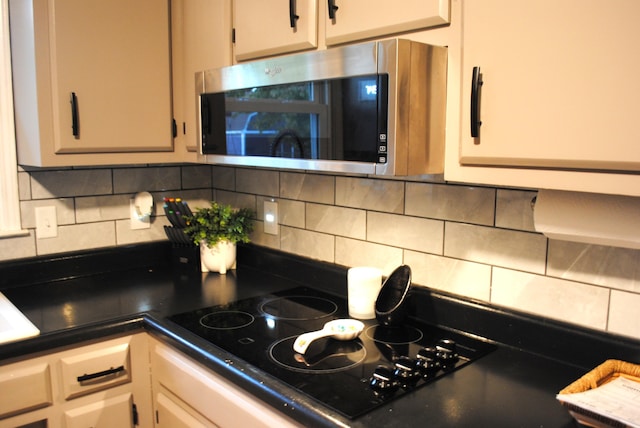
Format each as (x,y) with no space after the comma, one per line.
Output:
(292,13)
(332,9)
(476,83)
(205,116)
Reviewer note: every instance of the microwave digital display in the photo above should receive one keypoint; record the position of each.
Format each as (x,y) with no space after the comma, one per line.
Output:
(333,119)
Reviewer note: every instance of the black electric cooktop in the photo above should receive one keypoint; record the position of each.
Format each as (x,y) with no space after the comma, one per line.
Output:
(351,377)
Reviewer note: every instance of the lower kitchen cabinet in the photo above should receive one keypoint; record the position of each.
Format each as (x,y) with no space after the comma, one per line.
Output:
(104,384)
(131,381)
(186,391)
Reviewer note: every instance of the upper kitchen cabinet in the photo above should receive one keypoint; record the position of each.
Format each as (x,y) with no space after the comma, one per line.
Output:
(201,40)
(553,101)
(92,81)
(268,28)
(350,20)
(263,28)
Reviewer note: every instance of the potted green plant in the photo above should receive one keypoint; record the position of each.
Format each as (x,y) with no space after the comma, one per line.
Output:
(217,229)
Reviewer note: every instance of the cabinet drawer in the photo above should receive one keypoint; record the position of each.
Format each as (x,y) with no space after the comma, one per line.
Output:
(111,412)
(24,387)
(98,367)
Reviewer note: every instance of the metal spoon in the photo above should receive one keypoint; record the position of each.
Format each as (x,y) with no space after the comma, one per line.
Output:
(341,329)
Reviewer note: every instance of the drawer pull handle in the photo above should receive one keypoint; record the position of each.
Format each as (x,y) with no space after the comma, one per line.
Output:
(96,375)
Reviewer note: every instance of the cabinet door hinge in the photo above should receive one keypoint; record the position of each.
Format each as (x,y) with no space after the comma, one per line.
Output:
(135,414)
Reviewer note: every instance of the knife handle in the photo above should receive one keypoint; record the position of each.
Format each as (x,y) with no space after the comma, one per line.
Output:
(171,215)
(187,210)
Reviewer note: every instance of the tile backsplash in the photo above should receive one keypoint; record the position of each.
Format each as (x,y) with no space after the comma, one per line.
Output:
(473,241)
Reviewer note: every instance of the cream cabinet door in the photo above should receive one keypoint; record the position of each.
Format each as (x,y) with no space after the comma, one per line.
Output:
(560,84)
(170,414)
(182,386)
(201,40)
(351,20)
(25,386)
(92,80)
(113,56)
(265,28)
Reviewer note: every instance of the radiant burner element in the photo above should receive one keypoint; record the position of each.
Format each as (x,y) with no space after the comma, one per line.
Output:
(394,335)
(323,356)
(226,320)
(298,307)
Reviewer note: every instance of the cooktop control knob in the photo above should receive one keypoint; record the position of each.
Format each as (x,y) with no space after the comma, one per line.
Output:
(446,352)
(383,380)
(427,361)
(406,371)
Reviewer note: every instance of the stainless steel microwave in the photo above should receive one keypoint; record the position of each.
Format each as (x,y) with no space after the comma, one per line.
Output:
(372,108)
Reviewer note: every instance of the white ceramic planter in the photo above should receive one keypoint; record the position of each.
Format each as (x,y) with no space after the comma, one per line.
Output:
(220,258)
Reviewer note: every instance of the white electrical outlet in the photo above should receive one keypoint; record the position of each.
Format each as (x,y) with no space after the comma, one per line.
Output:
(46,222)
(270,217)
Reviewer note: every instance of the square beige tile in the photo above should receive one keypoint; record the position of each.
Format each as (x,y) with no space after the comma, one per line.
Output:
(455,276)
(352,252)
(414,233)
(617,268)
(514,210)
(568,301)
(451,202)
(370,194)
(499,247)
(334,220)
(307,187)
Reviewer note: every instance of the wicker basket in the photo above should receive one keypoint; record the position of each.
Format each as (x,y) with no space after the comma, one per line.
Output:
(605,372)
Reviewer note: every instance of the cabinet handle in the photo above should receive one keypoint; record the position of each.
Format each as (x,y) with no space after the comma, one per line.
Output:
(476,82)
(292,13)
(96,375)
(75,126)
(332,9)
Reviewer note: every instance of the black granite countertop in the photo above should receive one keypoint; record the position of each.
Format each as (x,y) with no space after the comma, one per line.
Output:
(85,296)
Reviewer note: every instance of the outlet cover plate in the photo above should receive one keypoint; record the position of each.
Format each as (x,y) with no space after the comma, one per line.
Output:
(46,222)
(270,217)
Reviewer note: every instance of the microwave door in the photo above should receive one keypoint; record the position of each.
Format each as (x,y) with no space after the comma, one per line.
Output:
(213,124)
